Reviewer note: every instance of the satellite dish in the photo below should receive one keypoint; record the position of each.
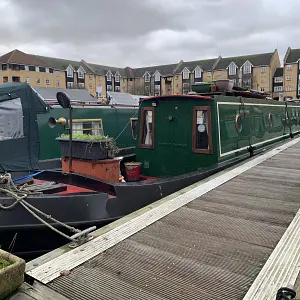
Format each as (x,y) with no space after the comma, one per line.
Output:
(63,99)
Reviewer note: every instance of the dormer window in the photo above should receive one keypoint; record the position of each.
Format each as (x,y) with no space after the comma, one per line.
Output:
(247,67)
(185,73)
(108,76)
(232,69)
(70,71)
(198,72)
(147,77)
(117,77)
(80,73)
(156,76)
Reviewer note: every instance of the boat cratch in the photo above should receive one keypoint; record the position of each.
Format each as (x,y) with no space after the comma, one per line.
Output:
(181,139)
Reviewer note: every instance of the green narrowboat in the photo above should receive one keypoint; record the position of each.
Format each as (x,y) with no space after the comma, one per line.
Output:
(187,133)
(116,121)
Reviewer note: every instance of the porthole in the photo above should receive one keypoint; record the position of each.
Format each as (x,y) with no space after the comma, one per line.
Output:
(238,123)
(270,119)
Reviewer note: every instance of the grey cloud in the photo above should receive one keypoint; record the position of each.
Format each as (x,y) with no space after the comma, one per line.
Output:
(147,32)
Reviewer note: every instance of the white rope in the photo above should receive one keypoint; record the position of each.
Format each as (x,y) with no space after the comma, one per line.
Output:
(19,194)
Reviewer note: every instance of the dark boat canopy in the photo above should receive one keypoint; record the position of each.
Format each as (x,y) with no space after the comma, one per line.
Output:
(19,137)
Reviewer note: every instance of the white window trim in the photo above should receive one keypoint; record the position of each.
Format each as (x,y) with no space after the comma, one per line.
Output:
(262,79)
(278,79)
(232,69)
(263,69)
(186,73)
(198,72)
(288,78)
(47,70)
(109,76)
(117,77)
(247,67)
(288,88)
(37,69)
(208,74)
(57,73)
(80,72)
(26,68)
(147,77)
(278,88)
(71,69)
(109,90)
(289,67)
(57,83)
(157,76)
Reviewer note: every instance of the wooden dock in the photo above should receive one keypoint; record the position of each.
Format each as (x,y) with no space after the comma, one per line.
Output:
(235,235)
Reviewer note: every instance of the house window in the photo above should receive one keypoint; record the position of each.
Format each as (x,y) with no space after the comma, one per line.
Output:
(4,67)
(26,68)
(202,137)
(16,79)
(47,70)
(157,76)
(185,88)
(57,83)
(147,128)
(263,69)
(185,74)
(219,73)
(289,67)
(37,69)
(157,90)
(247,68)
(277,88)
(288,88)
(198,72)
(288,78)
(134,126)
(208,74)
(147,90)
(117,77)
(232,69)
(117,89)
(27,80)
(70,72)
(70,85)
(81,85)
(88,126)
(278,79)
(47,81)
(56,73)
(38,81)
(108,76)
(248,83)
(238,123)
(90,76)
(108,88)
(147,77)
(80,74)
(11,113)
(263,79)
(5,79)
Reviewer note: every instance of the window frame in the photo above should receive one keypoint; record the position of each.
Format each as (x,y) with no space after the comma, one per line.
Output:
(88,121)
(198,72)
(117,77)
(131,121)
(209,132)
(263,69)
(185,74)
(247,68)
(232,69)
(143,146)
(289,67)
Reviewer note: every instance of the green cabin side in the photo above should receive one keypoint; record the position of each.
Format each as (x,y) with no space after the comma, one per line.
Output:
(116,122)
(189,133)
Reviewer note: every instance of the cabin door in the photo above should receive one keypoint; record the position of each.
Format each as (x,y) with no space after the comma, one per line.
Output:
(172,137)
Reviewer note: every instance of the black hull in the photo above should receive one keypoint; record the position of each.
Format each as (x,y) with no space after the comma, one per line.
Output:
(86,210)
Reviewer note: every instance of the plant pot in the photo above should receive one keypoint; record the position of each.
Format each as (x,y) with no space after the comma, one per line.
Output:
(84,149)
(11,276)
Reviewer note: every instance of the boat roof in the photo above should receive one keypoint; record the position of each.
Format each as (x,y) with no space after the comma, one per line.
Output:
(168,97)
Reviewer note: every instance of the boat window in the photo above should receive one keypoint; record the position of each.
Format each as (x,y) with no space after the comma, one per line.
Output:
(88,126)
(238,123)
(134,122)
(202,138)
(147,128)
(11,119)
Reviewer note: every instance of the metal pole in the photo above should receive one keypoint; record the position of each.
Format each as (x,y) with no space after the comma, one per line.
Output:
(70,140)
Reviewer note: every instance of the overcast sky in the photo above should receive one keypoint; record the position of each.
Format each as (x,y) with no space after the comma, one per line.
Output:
(148,32)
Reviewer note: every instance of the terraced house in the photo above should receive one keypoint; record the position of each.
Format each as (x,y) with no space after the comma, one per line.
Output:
(291,67)
(253,71)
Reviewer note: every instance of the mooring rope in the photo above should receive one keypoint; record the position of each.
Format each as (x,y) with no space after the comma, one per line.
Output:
(8,187)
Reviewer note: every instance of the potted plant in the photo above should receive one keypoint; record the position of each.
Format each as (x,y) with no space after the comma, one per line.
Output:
(12,270)
(86,146)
